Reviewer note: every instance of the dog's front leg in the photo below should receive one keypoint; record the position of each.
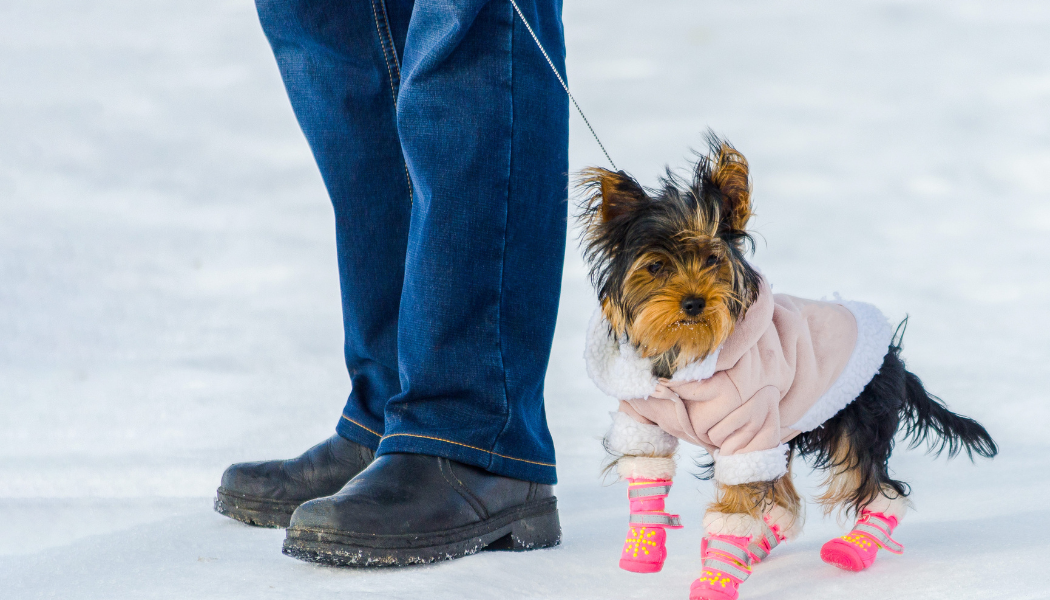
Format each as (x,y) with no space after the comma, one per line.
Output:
(643,455)
(743,524)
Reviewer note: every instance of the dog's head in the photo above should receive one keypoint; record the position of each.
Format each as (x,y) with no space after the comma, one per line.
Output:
(668,264)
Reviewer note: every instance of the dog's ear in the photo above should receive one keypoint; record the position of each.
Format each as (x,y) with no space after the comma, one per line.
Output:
(610,195)
(730,175)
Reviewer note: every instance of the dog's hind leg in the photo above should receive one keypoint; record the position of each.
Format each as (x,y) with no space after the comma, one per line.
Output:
(643,455)
(881,510)
(854,448)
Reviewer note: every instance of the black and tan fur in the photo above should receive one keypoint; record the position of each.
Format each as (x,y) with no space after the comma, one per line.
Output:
(653,252)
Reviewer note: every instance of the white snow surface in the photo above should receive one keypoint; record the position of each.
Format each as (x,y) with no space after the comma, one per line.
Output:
(169,301)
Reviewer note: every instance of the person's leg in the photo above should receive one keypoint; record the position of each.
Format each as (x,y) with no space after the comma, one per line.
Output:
(484,127)
(341,71)
(341,67)
(483,123)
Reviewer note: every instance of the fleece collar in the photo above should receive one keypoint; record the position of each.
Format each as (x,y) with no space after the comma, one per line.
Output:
(620,371)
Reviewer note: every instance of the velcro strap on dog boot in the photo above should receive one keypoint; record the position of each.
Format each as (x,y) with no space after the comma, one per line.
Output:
(647,495)
(856,550)
(647,503)
(727,564)
(654,519)
(761,546)
(645,549)
(879,526)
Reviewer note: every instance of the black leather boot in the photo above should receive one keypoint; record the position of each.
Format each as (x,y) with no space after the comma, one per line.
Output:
(411,508)
(267,493)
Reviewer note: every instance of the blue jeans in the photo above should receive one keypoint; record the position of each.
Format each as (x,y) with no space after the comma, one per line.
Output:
(442,137)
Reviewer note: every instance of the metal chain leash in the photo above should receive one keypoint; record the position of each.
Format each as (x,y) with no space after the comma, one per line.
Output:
(562,82)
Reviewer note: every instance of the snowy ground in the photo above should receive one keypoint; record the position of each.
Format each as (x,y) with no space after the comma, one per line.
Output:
(169,303)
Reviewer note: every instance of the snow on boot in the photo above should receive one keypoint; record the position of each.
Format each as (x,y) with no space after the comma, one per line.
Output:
(856,550)
(644,550)
(727,563)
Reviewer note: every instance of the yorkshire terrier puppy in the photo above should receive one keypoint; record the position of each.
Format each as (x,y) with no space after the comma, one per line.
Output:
(692,342)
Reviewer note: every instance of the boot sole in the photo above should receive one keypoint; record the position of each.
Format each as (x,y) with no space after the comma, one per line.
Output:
(637,566)
(260,512)
(842,557)
(529,527)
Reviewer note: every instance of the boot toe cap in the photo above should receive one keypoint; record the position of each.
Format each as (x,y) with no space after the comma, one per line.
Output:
(320,513)
(251,479)
(358,515)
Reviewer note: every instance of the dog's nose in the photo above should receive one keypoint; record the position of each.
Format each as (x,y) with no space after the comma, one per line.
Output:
(693,305)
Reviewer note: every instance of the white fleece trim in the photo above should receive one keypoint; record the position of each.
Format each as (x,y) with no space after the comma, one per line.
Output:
(790,525)
(644,467)
(615,366)
(895,507)
(618,370)
(751,467)
(743,525)
(698,370)
(628,436)
(874,335)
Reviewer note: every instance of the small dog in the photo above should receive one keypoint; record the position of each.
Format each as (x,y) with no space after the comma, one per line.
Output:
(690,339)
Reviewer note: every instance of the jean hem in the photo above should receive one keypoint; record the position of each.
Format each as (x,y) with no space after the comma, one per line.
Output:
(499,464)
(350,429)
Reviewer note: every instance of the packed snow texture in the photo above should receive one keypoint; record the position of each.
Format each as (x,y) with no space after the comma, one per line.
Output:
(169,301)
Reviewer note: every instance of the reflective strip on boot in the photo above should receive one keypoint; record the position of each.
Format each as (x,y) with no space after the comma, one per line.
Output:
(656,519)
(881,537)
(730,549)
(634,492)
(771,537)
(758,550)
(884,523)
(741,571)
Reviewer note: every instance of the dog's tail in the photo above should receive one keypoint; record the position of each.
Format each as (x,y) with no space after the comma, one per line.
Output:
(925,419)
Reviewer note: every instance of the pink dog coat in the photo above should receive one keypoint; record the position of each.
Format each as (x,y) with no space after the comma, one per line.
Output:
(789,365)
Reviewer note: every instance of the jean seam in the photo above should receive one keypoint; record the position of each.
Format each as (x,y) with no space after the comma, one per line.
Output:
(363,427)
(506,225)
(386,55)
(395,85)
(393,48)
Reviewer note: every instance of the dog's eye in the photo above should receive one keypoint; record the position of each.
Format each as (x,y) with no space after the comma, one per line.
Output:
(655,267)
(711,261)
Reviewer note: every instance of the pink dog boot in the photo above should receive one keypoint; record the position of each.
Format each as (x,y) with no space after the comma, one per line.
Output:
(856,550)
(645,549)
(761,547)
(727,563)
